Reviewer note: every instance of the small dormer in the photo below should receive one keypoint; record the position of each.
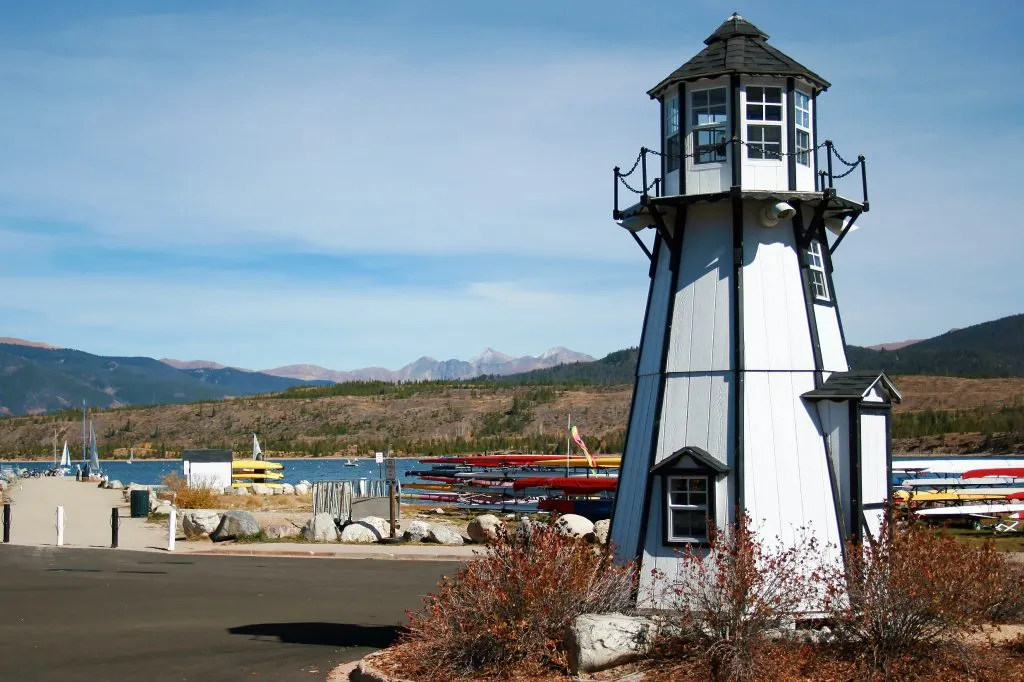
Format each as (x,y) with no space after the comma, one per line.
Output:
(739,98)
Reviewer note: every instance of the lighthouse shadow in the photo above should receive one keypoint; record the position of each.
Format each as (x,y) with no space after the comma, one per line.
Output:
(327,634)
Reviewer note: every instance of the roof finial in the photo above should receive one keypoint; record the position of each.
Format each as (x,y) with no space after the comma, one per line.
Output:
(736,17)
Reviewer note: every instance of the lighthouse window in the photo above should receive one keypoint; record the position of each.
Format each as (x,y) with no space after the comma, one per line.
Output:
(802,111)
(816,271)
(764,104)
(708,119)
(764,140)
(672,147)
(687,508)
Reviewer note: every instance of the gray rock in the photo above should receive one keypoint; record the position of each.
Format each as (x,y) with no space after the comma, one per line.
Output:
(229,490)
(321,528)
(485,528)
(443,535)
(115,485)
(439,510)
(287,489)
(154,502)
(601,641)
(278,531)
(526,527)
(276,491)
(164,507)
(360,531)
(260,489)
(306,483)
(417,531)
(601,531)
(241,492)
(235,524)
(575,526)
(196,522)
(382,526)
(302,489)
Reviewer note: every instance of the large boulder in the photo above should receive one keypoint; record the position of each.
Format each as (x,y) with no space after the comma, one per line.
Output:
(321,528)
(417,531)
(601,641)
(601,529)
(443,535)
(242,491)
(382,526)
(485,528)
(281,530)
(260,489)
(361,531)
(575,526)
(164,507)
(301,488)
(197,522)
(287,489)
(235,524)
(115,485)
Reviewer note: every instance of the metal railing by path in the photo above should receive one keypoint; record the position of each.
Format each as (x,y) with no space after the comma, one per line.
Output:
(334,498)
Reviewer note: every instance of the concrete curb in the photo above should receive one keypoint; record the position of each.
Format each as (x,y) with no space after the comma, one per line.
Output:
(362,670)
(384,556)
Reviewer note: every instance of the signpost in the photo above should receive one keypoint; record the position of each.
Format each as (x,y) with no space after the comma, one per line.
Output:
(380,461)
(392,497)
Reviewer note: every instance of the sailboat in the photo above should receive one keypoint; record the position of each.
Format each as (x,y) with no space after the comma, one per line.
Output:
(350,463)
(131,455)
(94,457)
(65,459)
(257,451)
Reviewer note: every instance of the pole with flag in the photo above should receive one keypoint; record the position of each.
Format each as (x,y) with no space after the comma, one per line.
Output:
(579,441)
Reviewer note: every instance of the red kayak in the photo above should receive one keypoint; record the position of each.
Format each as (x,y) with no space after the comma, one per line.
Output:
(1015,472)
(571,486)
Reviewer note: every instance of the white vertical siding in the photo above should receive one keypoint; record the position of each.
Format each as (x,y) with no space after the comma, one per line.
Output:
(833,353)
(654,334)
(776,335)
(628,510)
(671,186)
(209,474)
(702,314)
(786,475)
(873,467)
(835,420)
(696,411)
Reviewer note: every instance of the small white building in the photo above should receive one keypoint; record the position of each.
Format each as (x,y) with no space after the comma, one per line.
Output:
(743,397)
(208,468)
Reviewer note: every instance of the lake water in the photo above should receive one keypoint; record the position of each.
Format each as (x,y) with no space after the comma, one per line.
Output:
(148,472)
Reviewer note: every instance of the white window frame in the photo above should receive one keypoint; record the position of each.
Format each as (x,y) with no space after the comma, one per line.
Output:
(688,506)
(816,271)
(758,123)
(709,153)
(802,125)
(673,135)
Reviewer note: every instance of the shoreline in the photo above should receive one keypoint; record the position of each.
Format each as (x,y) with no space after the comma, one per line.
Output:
(178,459)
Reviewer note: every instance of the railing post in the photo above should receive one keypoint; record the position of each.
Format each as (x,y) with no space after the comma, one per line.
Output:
(115,525)
(171,529)
(828,147)
(643,168)
(7,522)
(864,178)
(618,171)
(60,526)
(657,187)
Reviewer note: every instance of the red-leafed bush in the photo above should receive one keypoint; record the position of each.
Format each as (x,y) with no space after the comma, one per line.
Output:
(507,612)
(914,593)
(727,599)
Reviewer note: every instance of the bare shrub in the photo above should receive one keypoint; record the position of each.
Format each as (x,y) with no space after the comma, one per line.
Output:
(729,598)
(914,593)
(200,495)
(508,610)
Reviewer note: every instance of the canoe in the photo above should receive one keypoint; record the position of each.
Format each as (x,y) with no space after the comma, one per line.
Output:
(1016,472)
(571,486)
(525,460)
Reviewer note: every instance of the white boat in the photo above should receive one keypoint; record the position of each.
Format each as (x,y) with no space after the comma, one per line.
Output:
(131,455)
(94,457)
(972,509)
(350,463)
(257,451)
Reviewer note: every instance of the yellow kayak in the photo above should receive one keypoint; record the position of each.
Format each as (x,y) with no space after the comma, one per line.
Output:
(261,475)
(945,496)
(246,485)
(255,464)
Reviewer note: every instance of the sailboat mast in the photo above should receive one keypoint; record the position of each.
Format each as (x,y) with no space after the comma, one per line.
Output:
(568,439)
(85,438)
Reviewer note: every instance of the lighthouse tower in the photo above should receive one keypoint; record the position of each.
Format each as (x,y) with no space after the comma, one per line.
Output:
(744,399)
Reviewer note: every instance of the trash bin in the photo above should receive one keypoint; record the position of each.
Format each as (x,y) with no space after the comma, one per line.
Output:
(140,504)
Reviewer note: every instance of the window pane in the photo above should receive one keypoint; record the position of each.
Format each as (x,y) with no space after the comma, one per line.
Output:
(699,498)
(689,524)
(716,96)
(773,113)
(699,484)
(699,98)
(672,160)
(755,94)
(755,112)
(717,114)
(772,133)
(773,95)
(711,144)
(676,484)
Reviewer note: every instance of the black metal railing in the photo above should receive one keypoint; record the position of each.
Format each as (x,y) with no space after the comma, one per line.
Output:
(824,180)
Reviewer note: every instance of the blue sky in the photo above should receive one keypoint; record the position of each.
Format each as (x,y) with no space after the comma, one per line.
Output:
(354,184)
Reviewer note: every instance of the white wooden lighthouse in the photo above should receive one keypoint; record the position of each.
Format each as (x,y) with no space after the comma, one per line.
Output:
(743,398)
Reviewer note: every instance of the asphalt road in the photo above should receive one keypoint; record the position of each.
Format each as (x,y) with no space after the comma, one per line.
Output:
(88,614)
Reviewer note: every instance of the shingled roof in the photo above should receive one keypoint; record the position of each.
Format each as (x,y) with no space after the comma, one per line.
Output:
(739,47)
(853,385)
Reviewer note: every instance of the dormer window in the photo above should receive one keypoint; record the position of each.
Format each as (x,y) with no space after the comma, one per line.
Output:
(802,114)
(708,120)
(688,480)
(764,122)
(673,150)
(816,271)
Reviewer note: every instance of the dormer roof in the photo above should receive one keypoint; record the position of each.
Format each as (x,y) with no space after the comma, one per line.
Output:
(854,385)
(739,47)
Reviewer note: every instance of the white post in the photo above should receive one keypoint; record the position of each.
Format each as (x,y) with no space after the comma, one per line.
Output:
(60,526)
(170,529)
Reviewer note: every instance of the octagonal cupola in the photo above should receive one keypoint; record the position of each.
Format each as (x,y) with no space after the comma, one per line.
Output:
(738,114)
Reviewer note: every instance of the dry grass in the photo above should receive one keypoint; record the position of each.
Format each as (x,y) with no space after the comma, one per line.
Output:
(296,503)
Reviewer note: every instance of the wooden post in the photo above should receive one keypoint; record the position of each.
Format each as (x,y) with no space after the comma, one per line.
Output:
(391,506)
(7,522)
(115,525)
